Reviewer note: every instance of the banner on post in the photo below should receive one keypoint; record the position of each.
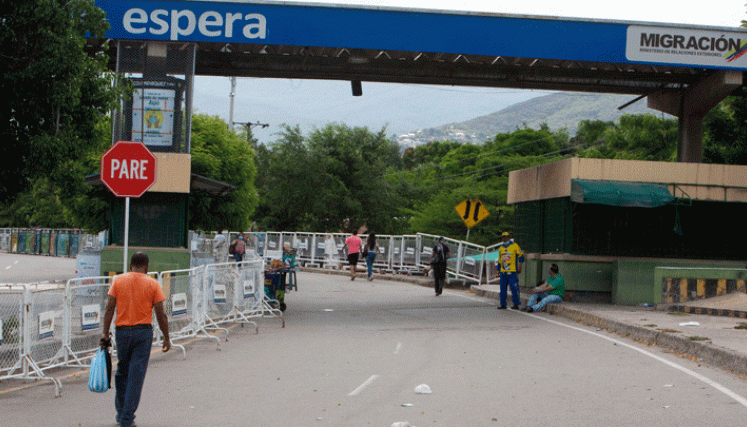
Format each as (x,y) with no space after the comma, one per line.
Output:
(90,315)
(248,288)
(219,293)
(46,324)
(178,304)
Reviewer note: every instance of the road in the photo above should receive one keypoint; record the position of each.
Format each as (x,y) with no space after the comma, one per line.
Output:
(353,352)
(21,268)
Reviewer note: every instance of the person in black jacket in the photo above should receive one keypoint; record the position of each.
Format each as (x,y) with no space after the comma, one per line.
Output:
(439,256)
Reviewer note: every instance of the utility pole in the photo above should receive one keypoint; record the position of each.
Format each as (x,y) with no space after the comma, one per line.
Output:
(232,95)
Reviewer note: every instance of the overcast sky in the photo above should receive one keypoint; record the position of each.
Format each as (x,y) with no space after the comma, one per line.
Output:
(313,103)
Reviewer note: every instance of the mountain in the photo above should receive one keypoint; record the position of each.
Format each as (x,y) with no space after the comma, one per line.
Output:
(559,110)
(315,103)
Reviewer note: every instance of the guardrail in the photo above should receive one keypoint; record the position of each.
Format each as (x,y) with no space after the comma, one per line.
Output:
(406,254)
(48,326)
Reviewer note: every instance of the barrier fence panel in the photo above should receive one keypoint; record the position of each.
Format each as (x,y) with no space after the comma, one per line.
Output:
(84,318)
(182,308)
(218,282)
(5,239)
(287,240)
(21,345)
(470,262)
(11,329)
(491,266)
(274,246)
(245,293)
(304,246)
(410,254)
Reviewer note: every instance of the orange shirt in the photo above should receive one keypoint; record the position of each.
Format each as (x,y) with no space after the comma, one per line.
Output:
(136,294)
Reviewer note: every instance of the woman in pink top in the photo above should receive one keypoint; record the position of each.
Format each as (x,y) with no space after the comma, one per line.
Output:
(353,243)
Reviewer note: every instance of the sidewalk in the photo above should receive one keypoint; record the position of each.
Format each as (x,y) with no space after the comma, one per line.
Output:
(711,338)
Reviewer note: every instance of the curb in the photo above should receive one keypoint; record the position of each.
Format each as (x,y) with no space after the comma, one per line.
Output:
(719,357)
(741,314)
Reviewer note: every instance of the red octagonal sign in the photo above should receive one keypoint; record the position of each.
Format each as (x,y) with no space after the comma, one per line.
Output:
(128,169)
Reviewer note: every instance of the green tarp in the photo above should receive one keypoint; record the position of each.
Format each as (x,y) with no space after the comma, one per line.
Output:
(619,193)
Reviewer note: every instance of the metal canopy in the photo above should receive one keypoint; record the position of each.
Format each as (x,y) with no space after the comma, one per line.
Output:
(325,63)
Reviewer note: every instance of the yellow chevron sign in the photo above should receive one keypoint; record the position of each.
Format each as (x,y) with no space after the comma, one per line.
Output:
(471,211)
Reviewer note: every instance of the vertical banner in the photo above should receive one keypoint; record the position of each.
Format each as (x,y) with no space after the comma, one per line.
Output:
(178,304)
(219,293)
(46,324)
(89,318)
(153,115)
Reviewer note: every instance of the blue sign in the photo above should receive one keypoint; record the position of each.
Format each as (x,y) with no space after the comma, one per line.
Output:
(423,31)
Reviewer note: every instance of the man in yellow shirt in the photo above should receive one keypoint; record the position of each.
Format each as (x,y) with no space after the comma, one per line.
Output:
(510,261)
(133,296)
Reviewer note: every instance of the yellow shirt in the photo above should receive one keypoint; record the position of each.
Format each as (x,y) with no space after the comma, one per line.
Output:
(509,255)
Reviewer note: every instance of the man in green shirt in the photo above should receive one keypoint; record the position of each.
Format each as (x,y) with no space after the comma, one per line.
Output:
(552,291)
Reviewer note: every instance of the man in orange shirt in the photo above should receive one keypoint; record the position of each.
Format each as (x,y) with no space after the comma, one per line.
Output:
(133,295)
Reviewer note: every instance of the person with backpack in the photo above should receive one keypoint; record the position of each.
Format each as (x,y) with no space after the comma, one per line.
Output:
(440,255)
(238,248)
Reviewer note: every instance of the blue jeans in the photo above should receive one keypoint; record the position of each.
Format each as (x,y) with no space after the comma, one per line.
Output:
(510,279)
(133,353)
(370,258)
(539,301)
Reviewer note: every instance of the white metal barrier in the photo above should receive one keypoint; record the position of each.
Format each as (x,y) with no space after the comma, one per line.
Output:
(46,326)
(405,254)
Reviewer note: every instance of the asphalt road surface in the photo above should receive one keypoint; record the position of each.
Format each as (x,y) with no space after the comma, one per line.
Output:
(18,268)
(353,352)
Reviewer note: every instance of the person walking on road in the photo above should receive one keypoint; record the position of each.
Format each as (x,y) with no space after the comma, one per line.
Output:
(552,291)
(370,252)
(238,246)
(510,262)
(439,256)
(353,244)
(133,296)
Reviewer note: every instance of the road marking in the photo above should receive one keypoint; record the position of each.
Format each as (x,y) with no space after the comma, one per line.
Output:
(741,400)
(399,346)
(364,385)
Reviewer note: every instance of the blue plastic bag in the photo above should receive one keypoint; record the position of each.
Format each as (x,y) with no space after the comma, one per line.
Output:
(101,370)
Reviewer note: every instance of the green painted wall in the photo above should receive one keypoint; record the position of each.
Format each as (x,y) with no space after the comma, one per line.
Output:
(161,259)
(579,275)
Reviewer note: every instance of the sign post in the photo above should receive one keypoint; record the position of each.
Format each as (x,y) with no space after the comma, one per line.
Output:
(471,211)
(128,169)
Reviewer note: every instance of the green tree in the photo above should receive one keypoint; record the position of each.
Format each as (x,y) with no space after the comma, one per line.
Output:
(329,180)
(725,129)
(636,137)
(54,92)
(222,155)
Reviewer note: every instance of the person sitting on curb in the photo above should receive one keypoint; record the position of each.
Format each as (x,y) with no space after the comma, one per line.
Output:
(552,291)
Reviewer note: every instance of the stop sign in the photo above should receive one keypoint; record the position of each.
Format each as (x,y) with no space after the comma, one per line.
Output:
(128,169)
